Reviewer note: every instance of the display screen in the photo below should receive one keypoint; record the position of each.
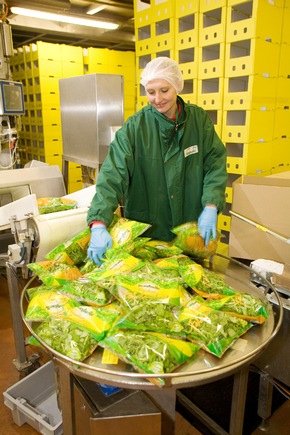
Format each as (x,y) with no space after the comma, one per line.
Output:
(12,101)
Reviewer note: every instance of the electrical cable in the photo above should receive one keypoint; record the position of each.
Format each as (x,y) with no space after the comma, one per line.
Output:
(278,385)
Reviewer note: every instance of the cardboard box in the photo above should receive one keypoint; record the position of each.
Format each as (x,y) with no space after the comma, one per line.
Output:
(266,201)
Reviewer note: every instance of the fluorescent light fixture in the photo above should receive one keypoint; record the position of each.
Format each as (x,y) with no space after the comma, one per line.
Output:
(95,9)
(63,18)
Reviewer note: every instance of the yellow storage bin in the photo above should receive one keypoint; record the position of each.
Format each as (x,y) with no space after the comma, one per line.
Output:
(71,69)
(186,31)
(207,5)
(248,125)
(281,153)
(163,9)
(127,72)
(283,92)
(47,68)
(97,55)
(47,133)
(212,26)
(249,158)
(210,93)
(49,147)
(45,51)
(185,7)
(211,61)
(53,159)
(189,98)
(47,100)
(163,35)
(48,116)
(282,123)
(250,92)
(122,58)
(143,13)
(255,18)
(285,38)
(229,194)
(144,47)
(252,56)
(97,68)
(75,186)
(44,85)
(284,62)
(71,53)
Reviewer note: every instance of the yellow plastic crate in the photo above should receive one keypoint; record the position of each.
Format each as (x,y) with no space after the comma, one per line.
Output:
(122,58)
(285,38)
(252,19)
(283,92)
(248,92)
(128,113)
(71,69)
(163,9)
(284,63)
(99,56)
(189,70)
(47,133)
(48,117)
(282,123)
(54,159)
(44,85)
(46,100)
(71,53)
(210,93)
(207,5)
(163,35)
(187,56)
(143,13)
(251,56)
(127,72)
(281,153)
(144,47)
(212,26)
(185,7)
(47,68)
(45,51)
(49,147)
(248,126)
(249,158)
(211,61)
(229,194)
(186,31)
(97,68)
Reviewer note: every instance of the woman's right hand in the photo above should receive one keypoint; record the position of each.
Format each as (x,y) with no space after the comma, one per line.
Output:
(100,241)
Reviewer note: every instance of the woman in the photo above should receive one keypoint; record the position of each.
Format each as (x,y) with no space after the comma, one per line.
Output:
(166,161)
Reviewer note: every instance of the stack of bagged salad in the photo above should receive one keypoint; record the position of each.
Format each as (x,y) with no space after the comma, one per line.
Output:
(150,303)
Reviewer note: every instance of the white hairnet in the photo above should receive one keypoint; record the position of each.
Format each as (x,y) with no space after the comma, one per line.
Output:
(163,68)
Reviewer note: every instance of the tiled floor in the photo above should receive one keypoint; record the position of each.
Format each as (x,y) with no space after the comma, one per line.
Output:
(9,374)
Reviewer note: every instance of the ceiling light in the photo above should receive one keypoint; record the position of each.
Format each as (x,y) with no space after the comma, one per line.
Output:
(95,9)
(63,18)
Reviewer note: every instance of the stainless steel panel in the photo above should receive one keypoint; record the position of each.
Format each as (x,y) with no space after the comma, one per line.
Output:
(91,106)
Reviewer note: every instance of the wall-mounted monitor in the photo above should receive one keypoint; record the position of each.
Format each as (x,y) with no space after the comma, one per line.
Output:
(11,98)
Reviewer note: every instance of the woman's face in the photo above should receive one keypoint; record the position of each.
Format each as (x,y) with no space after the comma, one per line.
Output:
(163,96)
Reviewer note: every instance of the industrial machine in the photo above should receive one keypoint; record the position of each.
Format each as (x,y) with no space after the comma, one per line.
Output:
(11,97)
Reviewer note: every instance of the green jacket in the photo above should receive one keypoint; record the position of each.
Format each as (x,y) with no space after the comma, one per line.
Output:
(166,170)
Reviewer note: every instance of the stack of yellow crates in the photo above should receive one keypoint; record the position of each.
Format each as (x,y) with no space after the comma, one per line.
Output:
(234,57)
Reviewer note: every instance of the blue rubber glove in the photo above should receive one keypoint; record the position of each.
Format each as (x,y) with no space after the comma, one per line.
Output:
(207,222)
(100,241)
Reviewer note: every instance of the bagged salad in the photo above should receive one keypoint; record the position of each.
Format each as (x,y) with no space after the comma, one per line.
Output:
(191,243)
(47,304)
(152,316)
(211,285)
(243,305)
(88,292)
(73,251)
(55,204)
(215,331)
(149,352)
(52,273)
(67,338)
